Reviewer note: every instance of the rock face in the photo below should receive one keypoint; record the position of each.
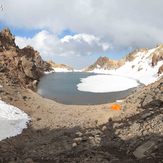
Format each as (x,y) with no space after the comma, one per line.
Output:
(104,63)
(157,55)
(160,70)
(22,66)
(108,64)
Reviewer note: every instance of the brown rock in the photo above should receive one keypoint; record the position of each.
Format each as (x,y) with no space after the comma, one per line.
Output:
(21,66)
(160,70)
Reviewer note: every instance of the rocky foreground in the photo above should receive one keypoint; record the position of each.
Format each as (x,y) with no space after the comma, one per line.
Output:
(68,133)
(60,133)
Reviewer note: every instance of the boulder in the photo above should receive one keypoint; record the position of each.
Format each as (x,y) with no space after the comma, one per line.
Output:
(144,149)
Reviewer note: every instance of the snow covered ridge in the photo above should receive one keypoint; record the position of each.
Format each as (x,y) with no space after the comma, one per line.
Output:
(12,120)
(139,69)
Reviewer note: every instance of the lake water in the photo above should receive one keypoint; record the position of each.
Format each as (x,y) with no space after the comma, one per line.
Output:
(62,87)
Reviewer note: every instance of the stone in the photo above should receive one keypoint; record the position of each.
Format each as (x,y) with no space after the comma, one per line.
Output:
(74,145)
(135,126)
(104,128)
(78,140)
(79,134)
(144,149)
(28,160)
(146,115)
(147,100)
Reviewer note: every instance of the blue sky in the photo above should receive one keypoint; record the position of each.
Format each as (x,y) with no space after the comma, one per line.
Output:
(29,33)
(20,31)
(77,32)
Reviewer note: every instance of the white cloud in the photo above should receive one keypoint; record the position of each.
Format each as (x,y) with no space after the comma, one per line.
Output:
(78,45)
(124,23)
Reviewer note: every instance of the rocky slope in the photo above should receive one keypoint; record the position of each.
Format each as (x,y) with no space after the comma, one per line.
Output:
(104,63)
(24,66)
(134,134)
(56,66)
(108,64)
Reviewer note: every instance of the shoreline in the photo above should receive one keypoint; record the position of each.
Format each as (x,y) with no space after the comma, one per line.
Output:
(79,133)
(65,133)
(34,104)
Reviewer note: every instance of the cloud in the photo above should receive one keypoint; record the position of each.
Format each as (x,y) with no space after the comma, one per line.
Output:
(49,45)
(123,23)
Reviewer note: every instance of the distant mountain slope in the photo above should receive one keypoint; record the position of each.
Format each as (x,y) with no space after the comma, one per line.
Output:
(143,64)
(60,67)
(104,63)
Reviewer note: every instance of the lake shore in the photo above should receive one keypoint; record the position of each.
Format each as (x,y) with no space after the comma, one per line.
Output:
(74,133)
(67,133)
(57,115)
(49,115)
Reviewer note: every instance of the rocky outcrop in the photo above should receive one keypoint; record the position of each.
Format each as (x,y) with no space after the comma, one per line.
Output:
(21,66)
(105,63)
(157,55)
(160,70)
(7,40)
(108,64)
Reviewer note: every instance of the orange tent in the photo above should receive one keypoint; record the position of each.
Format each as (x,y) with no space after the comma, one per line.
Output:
(116,107)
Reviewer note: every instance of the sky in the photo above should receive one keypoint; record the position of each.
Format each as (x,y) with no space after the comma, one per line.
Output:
(77,32)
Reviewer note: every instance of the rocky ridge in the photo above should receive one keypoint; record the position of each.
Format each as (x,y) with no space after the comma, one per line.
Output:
(109,64)
(105,63)
(24,66)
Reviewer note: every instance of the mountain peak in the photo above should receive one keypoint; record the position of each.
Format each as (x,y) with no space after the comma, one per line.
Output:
(7,40)
(104,63)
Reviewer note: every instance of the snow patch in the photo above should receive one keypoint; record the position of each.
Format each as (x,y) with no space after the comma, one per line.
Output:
(62,70)
(106,83)
(12,120)
(49,72)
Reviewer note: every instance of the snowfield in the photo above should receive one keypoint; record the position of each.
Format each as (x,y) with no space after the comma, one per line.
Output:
(12,120)
(140,69)
(62,70)
(106,83)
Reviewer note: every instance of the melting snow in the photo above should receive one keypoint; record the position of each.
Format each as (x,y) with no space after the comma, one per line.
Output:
(106,83)
(12,120)
(62,70)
